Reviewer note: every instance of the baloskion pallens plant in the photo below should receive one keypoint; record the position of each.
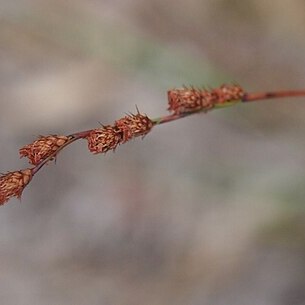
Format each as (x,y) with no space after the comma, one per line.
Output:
(182,102)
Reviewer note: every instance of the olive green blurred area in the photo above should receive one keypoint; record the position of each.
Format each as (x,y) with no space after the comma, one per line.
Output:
(209,209)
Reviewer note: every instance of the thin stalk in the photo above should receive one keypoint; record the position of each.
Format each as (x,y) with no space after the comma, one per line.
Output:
(254,97)
(248,97)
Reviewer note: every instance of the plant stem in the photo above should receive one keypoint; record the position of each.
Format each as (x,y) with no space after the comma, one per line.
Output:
(248,97)
(253,97)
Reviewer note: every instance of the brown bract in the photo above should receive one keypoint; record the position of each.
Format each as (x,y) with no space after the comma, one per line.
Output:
(186,100)
(42,148)
(13,183)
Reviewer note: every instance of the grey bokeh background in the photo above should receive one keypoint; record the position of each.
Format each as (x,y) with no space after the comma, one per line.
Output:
(205,210)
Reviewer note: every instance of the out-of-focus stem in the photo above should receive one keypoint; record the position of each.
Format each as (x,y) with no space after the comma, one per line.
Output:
(253,97)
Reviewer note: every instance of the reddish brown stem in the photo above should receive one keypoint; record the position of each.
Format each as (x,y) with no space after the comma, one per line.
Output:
(248,97)
(171,117)
(252,97)
(182,103)
(81,134)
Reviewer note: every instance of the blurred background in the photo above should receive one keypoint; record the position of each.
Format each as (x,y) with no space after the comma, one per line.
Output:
(205,210)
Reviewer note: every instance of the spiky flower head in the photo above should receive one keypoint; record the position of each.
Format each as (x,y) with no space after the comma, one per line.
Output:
(42,148)
(227,93)
(13,183)
(101,140)
(186,100)
(108,137)
(133,125)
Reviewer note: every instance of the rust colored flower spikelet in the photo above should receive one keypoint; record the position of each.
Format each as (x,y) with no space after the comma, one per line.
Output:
(109,137)
(133,125)
(13,183)
(101,140)
(227,93)
(187,100)
(42,148)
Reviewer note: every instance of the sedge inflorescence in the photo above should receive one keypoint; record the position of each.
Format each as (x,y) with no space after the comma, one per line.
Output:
(45,149)
(13,183)
(42,148)
(109,137)
(185,100)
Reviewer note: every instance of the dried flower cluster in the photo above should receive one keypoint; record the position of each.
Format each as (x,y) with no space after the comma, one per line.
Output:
(42,148)
(100,140)
(187,100)
(108,137)
(45,149)
(13,183)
